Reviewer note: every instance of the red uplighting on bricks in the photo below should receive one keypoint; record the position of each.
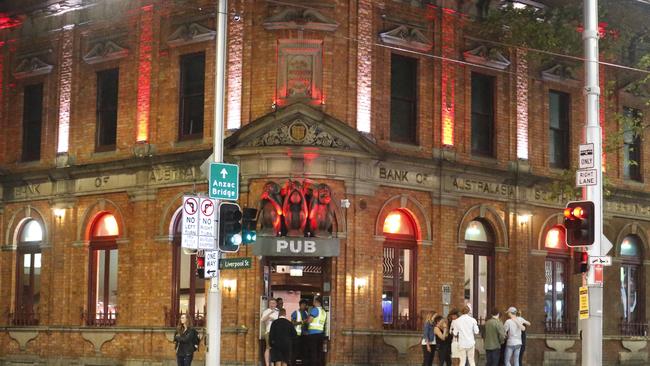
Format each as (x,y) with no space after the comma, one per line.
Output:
(144,73)
(448,78)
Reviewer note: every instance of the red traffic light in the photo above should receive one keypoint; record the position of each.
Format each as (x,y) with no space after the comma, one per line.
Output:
(579,220)
(573,213)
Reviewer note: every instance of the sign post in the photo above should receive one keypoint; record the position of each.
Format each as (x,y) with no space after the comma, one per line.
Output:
(592,327)
(213,342)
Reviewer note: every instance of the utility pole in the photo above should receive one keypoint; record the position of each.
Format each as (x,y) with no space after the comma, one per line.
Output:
(213,350)
(592,328)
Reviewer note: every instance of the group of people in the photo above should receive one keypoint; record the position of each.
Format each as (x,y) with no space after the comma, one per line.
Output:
(298,337)
(454,338)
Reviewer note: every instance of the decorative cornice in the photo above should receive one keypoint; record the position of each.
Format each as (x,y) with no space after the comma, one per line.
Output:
(490,57)
(559,73)
(289,18)
(405,36)
(105,51)
(190,33)
(32,66)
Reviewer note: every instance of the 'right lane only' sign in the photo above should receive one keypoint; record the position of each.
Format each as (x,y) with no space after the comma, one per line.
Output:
(586,177)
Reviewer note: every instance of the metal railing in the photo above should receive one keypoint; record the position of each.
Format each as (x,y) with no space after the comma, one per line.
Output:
(633,329)
(101,319)
(171,318)
(559,327)
(23,318)
(402,322)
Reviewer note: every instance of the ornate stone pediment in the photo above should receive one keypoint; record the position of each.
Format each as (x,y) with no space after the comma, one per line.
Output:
(404,36)
(299,132)
(560,73)
(301,125)
(289,17)
(32,66)
(490,57)
(105,51)
(190,33)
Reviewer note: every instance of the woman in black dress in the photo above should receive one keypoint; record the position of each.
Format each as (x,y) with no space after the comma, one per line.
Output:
(280,339)
(443,340)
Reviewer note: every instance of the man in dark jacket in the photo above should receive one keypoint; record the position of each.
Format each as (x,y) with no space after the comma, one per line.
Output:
(495,335)
(280,338)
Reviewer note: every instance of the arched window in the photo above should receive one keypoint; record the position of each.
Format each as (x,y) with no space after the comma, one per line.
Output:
(398,293)
(479,268)
(631,252)
(28,273)
(188,291)
(103,286)
(555,284)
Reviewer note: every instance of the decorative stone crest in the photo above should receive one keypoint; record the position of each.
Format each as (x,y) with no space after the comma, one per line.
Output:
(299,133)
(105,51)
(32,66)
(559,73)
(189,34)
(490,57)
(409,37)
(290,17)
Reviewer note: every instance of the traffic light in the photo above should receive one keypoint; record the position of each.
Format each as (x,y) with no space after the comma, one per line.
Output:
(580,262)
(249,225)
(229,227)
(579,218)
(200,264)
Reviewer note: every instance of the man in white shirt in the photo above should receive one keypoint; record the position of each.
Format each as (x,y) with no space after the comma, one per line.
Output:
(268,316)
(465,328)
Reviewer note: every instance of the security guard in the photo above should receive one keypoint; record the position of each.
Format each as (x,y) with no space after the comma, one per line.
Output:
(299,319)
(316,331)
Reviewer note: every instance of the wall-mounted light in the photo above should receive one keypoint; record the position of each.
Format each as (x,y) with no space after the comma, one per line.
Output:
(524,217)
(229,285)
(360,282)
(58,212)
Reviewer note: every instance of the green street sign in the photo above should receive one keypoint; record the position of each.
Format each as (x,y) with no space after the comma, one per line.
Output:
(235,263)
(224,181)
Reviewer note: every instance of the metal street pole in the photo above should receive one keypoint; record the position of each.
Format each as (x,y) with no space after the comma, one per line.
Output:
(592,328)
(213,350)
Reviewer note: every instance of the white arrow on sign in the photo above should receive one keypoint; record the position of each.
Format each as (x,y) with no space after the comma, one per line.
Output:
(605,245)
(223,173)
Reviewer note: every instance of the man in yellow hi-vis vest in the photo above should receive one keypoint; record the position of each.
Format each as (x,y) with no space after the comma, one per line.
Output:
(299,320)
(316,331)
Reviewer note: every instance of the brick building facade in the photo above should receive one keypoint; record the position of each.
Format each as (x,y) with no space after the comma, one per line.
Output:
(445,147)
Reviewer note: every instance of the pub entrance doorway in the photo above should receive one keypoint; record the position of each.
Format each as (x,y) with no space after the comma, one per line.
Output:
(293,279)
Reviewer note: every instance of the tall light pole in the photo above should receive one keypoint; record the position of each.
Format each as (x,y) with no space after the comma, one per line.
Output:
(213,354)
(592,328)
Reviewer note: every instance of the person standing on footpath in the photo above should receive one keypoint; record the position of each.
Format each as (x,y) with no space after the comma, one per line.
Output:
(495,335)
(268,316)
(443,340)
(526,324)
(316,330)
(428,340)
(186,339)
(455,352)
(465,328)
(281,336)
(299,320)
(513,327)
